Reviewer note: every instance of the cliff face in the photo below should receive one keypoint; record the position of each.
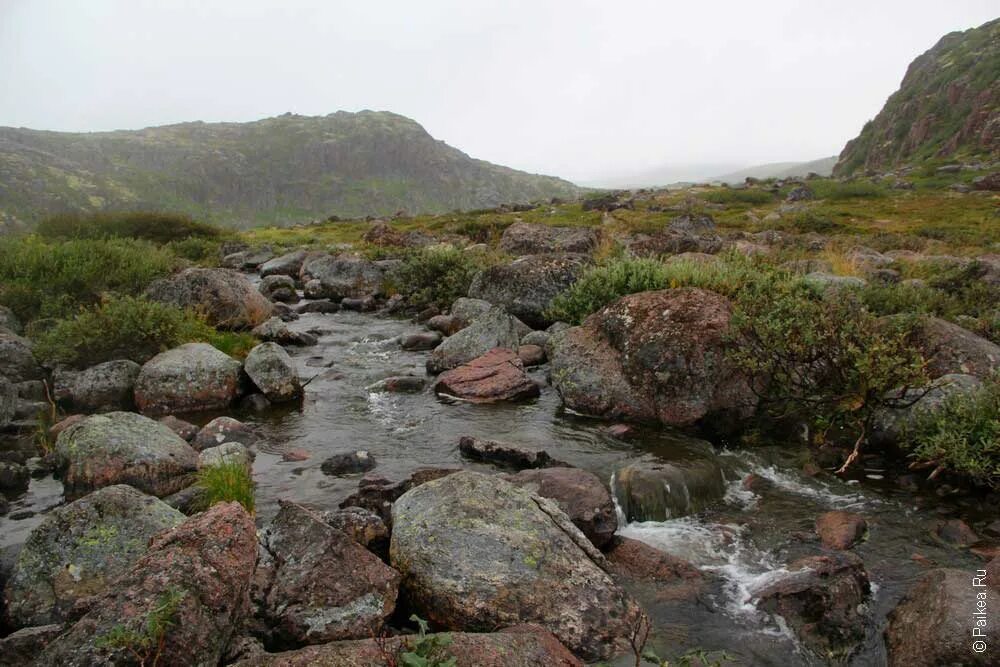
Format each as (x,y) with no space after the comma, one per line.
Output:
(948,106)
(277,170)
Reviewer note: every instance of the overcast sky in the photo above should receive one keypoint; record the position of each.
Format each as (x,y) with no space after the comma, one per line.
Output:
(574,88)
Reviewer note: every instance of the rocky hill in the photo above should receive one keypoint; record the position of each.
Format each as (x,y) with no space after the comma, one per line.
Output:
(278,170)
(948,106)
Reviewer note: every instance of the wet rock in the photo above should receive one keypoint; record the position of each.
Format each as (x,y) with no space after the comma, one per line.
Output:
(622,431)
(494,329)
(360,304)
(343,276)
(445,324)
(956,533)
(822,599)
(523,238)
(9,321)
(185,430)
(17,363)
(123,448)
(400,384)
(275,330)
(840,530)
(324,306)
(467,311)
(272,370)
(279,288)
(426,340)
(505,454)
(378,493)
(527,286)
(653,356)
(102,388)
(255,403)
(203,566)
(348,463)
(519,646)
(950,349)
(231,453)
(641,565)
(653,490)
(496,376)
(20,648)
(891,424)
(14,478)
(363,526)
(531,355)
(580,494)
(80,549)
(476,551)
(289,264)
(222,430)
(933,624)
(192,377)
(226,298)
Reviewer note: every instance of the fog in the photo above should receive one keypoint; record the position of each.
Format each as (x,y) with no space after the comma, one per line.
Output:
(584,90)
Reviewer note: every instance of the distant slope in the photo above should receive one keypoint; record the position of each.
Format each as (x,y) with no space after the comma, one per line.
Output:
(823,167)
(661,175)
(278,170)
(948,106)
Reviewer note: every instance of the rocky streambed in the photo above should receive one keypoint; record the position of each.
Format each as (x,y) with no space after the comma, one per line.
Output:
(723,549)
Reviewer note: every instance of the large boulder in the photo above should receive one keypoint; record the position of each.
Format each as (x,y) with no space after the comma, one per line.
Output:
(477,553)
(289,264)
(941,619)
(580,494)
(304,603)
(343,276)
(493,329)
(196,576)
(658,355)
(890,425)
(17,363)
(192,377)
(950,349)
(466,311)
(654,490)
(523,238)
(496,376)
(101,388)
(279,288)
(527,286)
(123,448)
(518,646)
(79,549)
(271,369)
(225,297)
(685,234)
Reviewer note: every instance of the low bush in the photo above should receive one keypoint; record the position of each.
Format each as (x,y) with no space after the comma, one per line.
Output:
(810,222)
(229,481)
(962,437)
(128,328)
(754,196)
(437,275)
(156,227)
(840,190)
(41,279)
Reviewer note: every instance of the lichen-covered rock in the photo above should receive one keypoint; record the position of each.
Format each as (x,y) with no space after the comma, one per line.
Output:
(17,363)
(523,238)
(527,286)
(466,310)
(192,377)
(343,276)
(185,430)
(658,355)
(221,430)
(477,552)
(20,648)
(891,424)
(230,453)
(79,549)
(225,297)
(123,448)
(201,569)
(493,329)
(361,525)
(686,233)
(101,388)
(518,646)
(654,490)
(325,586)
(950,349)
(580,494)
(271,369)
(934,623)
(496,376)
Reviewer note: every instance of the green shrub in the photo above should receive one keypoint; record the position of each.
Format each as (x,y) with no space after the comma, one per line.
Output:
(40,279)
(839,190)
(437,275)
(807,222)
(120,328)
(426,650)
(145,644)
(225,482)
(963,436)
(754,196)
(204,251)
(146,225)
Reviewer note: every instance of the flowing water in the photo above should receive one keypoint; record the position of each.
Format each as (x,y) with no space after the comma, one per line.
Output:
(740,543)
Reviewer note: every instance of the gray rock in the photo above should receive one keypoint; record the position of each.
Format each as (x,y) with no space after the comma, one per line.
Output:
(343,276)
(189,378)
(493,329)
(348,463)
(891,425)
(185,430)
(467,310)
(79,549)
(476,551)
(14,478)
(830,281)
(226,298)
(102,388)
(271,369)
(523,238)
(539,338)
(17,363)
(123,448)
(527,286)
(9,321)
(20,648)
(279,288)
(950,349)
(8,402)
(230,453)
(321,306)
(289,264)
(221,430)
(275,330)
(424,340)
